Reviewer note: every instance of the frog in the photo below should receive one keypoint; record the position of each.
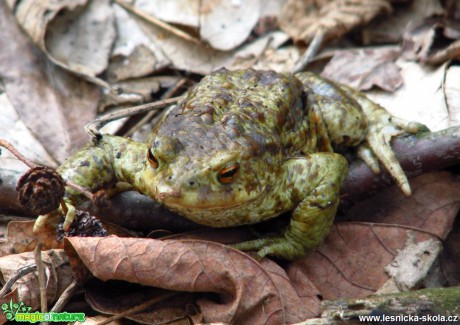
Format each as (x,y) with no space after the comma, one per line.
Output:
(245,146)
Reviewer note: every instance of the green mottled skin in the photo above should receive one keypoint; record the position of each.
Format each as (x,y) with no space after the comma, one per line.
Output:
(281,130)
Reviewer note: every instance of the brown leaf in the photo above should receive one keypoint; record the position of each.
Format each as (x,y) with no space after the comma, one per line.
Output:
(302,19)
(351,261)
(431,207)
(6,299)
(56,267)
(53,104)
(249,291)
(450,256)
(391,29)
(363,69)
(20,238)
(76,35)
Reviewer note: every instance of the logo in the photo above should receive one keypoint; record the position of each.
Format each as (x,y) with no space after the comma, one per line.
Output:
(21,313)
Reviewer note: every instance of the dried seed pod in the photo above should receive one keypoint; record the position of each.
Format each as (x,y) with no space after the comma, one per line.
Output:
(41,190)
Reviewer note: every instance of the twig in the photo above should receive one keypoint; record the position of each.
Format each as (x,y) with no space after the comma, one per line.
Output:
(21,157)
(93,127)
(311,51)
(41,277)
(31,164)
(19,274)
(150,114)
(450,52)
(139,308)
(68,293)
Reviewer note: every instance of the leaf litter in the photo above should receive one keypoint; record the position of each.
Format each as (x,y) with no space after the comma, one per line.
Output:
(119,49)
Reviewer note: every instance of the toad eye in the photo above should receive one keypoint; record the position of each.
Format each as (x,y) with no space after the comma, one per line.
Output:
(152,158)
(227,174)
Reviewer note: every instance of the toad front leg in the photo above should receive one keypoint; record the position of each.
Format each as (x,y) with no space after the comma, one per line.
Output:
(98,166)
(314,185)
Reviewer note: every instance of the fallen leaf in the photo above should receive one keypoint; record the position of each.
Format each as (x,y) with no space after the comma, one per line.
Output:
(411,265)
(302,19)
(450,256)
(223,25)
(364,68)
(80,39)
(163,306)
(45,106)
(57,31)
(432,41)
(420,98)
(431,207)
(351,262)
(57,268)
(249,291)
(391,29)
(20,238)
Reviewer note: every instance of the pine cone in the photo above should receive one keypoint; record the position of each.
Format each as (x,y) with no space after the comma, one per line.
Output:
(41,190)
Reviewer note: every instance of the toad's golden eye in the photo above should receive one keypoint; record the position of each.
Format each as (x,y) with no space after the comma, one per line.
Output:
(227,174)
(152,159)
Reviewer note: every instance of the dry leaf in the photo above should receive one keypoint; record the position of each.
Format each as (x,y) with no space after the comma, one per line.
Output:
(132,47)
(411,265)
(164,306)
(81,39)
(57,270)
(391,29)
(183,54)
(432,206)
(364,68)
(52,104)
(302,19)
(20,238)
(433,41)
(420,98)
(7,299)
(77,36)
(351,262)
(450,256)
(248,290)
(223,25)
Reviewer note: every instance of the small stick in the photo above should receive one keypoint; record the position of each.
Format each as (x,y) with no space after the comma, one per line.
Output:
(21,157)
(68,293)
(139,308)
(41,277)
(310,53)
(92,128)
(152,113)
(19,274)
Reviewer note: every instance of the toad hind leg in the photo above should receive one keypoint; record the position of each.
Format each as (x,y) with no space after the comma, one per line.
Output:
(314,183)
(382,128)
